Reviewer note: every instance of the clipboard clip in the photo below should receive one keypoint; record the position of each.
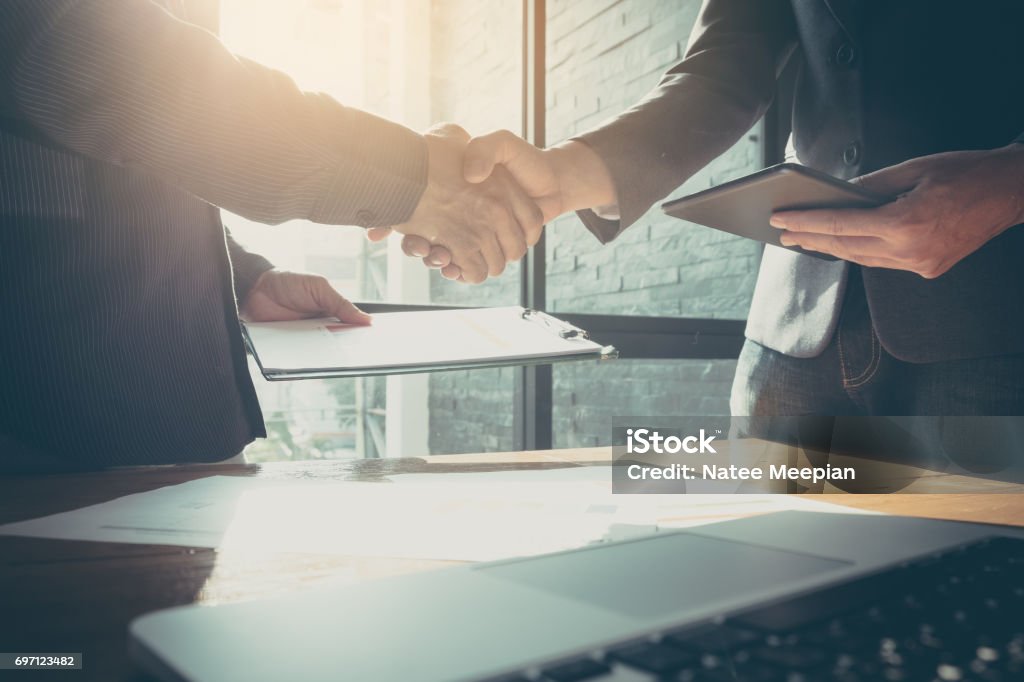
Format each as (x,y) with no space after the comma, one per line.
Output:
(563,329)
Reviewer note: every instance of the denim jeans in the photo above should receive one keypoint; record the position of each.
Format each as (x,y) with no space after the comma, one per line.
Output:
(856,376)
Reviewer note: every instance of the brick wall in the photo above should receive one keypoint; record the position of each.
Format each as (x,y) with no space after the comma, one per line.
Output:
(587,396)
(603,55)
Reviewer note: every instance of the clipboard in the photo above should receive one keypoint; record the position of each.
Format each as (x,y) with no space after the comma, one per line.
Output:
(418,342)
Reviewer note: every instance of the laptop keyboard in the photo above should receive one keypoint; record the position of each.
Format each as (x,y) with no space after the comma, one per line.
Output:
(952,617)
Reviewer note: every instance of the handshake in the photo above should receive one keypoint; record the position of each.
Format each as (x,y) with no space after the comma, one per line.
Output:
(487,200)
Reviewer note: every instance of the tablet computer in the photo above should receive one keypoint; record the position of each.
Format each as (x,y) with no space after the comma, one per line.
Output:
(744,206)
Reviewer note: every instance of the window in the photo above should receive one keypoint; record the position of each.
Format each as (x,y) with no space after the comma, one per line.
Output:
(423,61)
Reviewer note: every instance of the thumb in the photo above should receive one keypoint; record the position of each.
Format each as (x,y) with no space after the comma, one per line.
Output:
(483,153)
(333,303)
(451,131)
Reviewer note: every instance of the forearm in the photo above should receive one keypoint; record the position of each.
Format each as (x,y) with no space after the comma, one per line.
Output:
(246,268)
(125,82)
(584,179)
(990,183)
(700,108)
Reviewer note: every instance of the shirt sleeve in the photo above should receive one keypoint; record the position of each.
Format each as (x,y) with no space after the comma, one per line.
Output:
(701,107)
(125,82)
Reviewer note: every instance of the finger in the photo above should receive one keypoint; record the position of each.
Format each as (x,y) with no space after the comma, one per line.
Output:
(847,248)
(473,266)
(438,257)
(846,222)
(494,225)
(895,180)
(452,272)
(415,246)
(333,303)
(526,213)
(378,234)
(449,130)
(493,254)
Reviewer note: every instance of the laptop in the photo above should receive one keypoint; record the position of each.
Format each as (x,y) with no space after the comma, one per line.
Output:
(792,596)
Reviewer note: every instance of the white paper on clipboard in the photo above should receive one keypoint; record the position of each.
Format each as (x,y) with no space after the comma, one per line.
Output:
(417,341)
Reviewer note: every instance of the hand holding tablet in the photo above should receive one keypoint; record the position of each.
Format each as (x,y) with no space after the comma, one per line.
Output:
(744,207)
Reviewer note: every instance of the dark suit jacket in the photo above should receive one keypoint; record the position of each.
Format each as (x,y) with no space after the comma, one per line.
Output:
(124,125)
(879,82)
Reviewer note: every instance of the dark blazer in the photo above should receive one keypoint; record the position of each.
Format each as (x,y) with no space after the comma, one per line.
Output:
(124,124)
(878,82)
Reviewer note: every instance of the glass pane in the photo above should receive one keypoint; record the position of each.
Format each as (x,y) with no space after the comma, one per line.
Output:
(584,407)
(660,266)
(417,62)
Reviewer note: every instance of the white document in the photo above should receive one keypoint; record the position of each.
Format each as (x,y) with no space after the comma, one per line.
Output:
(414,341)
(472,517)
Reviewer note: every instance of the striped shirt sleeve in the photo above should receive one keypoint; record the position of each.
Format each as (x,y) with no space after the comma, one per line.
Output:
(125,82)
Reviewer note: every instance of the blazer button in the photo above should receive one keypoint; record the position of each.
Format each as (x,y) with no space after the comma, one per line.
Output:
(365,218)
(851,155)
(846,55)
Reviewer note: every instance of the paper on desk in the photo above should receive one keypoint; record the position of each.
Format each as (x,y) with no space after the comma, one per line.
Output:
(365,519)
(655,511)
(472,517)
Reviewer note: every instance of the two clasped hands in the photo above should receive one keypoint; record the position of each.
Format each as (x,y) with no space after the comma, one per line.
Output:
(488,199)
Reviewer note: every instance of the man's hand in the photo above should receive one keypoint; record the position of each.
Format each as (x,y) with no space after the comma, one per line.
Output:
(558,180)
(536,170)
(482,226)
(947,206)
(279,295)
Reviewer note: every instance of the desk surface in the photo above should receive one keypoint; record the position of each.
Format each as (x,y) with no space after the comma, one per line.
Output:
(79,596)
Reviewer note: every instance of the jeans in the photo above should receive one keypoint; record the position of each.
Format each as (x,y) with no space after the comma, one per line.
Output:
(960,416)
(856,376)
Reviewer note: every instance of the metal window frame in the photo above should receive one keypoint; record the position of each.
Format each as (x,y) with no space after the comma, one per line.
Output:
(534,384)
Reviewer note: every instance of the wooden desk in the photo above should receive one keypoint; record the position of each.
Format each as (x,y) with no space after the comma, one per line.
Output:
(79,596)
